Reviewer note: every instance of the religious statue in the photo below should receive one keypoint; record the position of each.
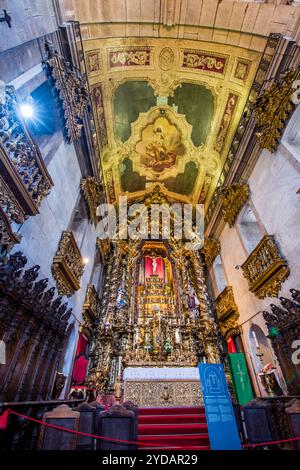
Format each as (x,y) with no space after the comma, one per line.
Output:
(269,381)
(154,265)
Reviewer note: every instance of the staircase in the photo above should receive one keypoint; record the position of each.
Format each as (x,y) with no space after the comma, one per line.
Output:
(173,428)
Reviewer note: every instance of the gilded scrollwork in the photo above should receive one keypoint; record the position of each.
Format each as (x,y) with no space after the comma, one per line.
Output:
(211,249)
(233,198)
(67,266)
(126,57)
(91,309)
(91,191)
(203,61)
(274,108)
(227,313)
(18,150)
(71,91)
(266,269)
(24,180)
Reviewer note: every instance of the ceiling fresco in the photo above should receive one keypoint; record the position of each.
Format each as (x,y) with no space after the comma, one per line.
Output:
(166,112)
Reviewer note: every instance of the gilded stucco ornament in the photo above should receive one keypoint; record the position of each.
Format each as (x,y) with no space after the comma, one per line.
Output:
(90,310)
(67,266)
(211,249)
(274,108)
(24,180)
(233,198)
(227,313)
(71,90)
(266,269)
(91,190)
(166,58)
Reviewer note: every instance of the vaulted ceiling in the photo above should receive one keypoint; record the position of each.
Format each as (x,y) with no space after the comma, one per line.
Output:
(169,81)
(166,112)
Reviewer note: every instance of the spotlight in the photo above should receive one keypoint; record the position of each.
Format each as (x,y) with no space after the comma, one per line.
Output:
(27,110)
(85,260)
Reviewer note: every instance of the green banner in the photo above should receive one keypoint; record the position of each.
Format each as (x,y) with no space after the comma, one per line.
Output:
(240,378)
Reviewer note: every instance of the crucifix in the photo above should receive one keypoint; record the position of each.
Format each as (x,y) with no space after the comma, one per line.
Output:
(154,265)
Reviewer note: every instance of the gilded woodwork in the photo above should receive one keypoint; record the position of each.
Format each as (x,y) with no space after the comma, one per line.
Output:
(233,198)
(235,152)
(67,266)
(71,91)
(91,191)
(274,108)
(104,247)
(91,309)
(283,323)
(266,269)
(24,181)
(227,313)
(211,249)
(21,163)
(10,211)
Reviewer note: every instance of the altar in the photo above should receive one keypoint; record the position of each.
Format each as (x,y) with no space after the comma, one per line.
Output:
(162,386)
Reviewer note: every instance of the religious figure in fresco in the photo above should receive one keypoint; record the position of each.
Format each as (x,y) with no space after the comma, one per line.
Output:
(160,145)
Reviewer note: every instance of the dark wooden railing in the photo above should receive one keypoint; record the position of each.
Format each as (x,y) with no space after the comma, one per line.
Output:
(22,434)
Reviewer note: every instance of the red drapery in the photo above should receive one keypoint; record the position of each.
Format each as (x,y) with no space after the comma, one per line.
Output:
(81,361)
(231,346)
(149,267)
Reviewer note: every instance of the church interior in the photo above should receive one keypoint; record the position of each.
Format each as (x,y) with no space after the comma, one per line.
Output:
(190,107)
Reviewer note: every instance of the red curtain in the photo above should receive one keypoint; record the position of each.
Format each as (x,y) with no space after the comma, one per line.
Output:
(82,345)
(81,361)
(149,267)
(231,346)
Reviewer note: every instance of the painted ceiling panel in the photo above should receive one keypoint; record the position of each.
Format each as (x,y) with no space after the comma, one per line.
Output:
(131,99)
(197,104)
(166,112)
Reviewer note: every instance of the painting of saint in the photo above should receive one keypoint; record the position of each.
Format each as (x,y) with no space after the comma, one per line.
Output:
(160,145)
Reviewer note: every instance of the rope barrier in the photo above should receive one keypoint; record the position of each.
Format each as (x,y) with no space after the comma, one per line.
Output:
(108,439)
(272,442)
(122,441)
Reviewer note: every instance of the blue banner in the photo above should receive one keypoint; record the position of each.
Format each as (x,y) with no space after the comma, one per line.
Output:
(222,428)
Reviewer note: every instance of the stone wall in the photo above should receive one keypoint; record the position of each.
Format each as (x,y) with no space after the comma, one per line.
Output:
(239,23)
(273,196)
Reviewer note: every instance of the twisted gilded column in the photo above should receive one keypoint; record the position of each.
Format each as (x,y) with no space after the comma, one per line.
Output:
(207,327)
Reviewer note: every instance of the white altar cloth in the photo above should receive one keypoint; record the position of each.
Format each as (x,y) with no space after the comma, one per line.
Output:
(162,386)
(161,373)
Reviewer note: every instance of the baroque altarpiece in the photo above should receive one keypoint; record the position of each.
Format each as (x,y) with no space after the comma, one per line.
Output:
(155,313)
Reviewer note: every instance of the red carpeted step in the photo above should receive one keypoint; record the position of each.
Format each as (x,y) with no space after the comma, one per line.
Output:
(173,428)
(170,411)
(170,419)
(162,429)
(175,440)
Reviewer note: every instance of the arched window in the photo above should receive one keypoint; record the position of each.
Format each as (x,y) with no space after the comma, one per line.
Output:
(260,348)
(79,221)
(291,137)
(249,229)
(219,274)
(97,274)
